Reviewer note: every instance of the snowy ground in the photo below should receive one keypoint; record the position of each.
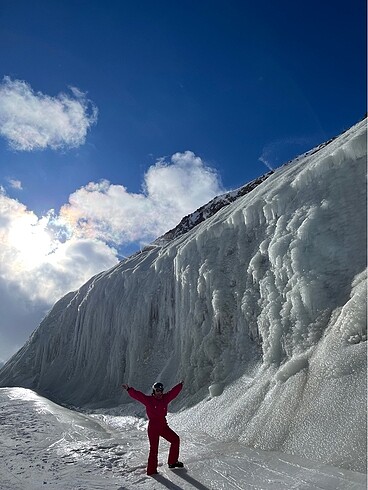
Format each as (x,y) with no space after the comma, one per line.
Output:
(44,445)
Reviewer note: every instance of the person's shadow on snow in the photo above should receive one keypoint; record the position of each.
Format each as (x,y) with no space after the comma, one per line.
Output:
(182,472)
(195,483)
(166,483)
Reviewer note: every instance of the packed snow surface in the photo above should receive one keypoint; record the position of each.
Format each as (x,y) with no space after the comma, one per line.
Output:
(47,446)
(264,302)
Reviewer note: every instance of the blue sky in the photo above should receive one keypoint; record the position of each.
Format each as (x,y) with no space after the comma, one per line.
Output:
(122,117)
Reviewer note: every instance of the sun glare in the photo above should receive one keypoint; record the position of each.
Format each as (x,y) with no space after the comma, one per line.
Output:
(31,239)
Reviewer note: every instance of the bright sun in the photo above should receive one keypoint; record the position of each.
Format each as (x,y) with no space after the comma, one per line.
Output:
(30,240)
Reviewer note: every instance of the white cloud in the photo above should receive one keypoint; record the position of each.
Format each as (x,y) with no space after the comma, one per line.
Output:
(183,185)
(16,184)
(40,262)
(34,121)
(171,190)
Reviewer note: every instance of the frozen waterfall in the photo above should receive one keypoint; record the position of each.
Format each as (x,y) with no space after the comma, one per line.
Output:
(266,298)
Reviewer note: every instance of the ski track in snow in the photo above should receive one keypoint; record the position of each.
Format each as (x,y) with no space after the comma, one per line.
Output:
(47,446)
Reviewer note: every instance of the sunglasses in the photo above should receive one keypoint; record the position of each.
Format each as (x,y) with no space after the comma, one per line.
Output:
(159,390)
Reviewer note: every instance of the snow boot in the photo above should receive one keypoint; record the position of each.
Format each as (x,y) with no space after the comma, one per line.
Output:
(178,464)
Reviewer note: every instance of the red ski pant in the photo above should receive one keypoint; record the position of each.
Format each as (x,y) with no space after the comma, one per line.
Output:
(154,433)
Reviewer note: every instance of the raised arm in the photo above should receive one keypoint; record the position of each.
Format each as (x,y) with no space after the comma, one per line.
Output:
(137,395)
(174,392)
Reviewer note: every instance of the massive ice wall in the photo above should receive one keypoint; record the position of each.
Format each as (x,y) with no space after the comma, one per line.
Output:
(266,298)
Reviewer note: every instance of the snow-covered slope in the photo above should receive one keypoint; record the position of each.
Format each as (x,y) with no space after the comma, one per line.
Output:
(266,299)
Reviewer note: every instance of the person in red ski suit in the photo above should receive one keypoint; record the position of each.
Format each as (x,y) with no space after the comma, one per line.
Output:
(156,408)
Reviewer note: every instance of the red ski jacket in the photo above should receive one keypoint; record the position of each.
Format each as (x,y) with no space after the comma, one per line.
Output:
(156,408)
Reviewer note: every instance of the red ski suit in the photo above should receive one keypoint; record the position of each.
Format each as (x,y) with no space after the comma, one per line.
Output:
(157,426)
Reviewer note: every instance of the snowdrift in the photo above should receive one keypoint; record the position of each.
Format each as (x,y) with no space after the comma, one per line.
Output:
(266,299)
